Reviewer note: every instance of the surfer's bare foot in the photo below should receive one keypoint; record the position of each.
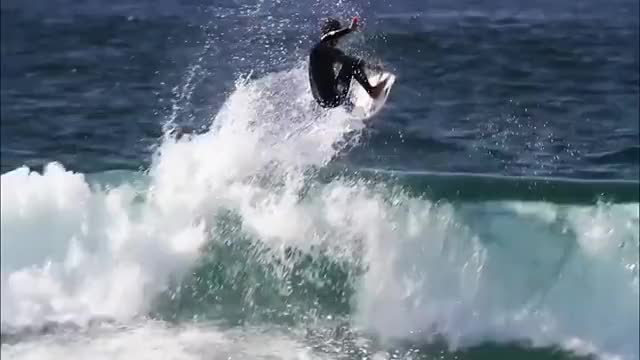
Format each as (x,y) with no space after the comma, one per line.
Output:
(377,90)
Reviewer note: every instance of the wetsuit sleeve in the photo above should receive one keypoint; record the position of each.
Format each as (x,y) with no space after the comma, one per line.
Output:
(336,34)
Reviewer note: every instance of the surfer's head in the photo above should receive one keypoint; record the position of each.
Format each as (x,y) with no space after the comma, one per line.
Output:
(328,26)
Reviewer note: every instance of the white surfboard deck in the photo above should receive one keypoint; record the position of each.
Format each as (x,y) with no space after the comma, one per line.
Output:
(364,105)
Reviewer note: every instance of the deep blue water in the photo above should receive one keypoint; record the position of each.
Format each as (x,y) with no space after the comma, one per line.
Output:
(489,87)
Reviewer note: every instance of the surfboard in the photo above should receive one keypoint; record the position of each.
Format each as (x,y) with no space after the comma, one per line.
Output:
(364,106)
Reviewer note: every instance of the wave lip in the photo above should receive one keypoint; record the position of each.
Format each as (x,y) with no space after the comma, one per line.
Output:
(488,187)
(628,155)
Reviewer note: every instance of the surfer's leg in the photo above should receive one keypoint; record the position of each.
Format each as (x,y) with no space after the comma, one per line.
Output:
(361,76)
(351,68)
(354,68)
(343,80)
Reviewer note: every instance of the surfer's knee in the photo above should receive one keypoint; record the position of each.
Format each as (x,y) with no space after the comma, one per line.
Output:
(353,64)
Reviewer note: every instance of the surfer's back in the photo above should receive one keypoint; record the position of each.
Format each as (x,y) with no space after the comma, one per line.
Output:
(322,59)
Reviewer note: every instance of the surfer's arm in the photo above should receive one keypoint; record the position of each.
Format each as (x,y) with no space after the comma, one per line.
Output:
(336,34)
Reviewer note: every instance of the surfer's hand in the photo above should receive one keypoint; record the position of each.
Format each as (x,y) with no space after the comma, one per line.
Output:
(354,24)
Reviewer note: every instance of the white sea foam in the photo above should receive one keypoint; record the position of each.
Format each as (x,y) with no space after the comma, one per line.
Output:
(154,340)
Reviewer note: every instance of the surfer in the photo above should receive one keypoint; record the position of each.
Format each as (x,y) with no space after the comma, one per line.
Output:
(328,89)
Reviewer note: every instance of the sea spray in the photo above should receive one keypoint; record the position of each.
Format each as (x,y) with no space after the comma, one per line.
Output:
(74,253)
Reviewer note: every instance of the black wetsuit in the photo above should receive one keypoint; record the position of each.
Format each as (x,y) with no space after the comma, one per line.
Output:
(328,89)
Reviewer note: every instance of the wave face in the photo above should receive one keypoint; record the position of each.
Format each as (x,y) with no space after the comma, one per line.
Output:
(237,225)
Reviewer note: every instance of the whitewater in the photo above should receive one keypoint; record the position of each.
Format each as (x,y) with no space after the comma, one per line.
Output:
(231,245)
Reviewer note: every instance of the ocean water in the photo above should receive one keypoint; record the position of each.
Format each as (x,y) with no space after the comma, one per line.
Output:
(169,189)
